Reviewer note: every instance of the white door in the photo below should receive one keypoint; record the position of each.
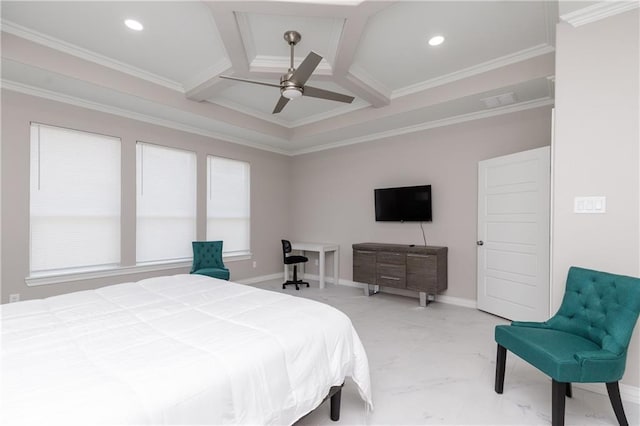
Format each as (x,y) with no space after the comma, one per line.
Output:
(513,235)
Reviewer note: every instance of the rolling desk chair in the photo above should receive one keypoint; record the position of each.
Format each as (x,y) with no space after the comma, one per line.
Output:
(292,260)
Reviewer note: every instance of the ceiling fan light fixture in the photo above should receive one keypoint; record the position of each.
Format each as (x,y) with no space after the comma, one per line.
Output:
(291,92)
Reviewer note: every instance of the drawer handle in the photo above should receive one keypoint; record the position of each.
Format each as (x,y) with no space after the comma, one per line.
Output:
(362,251)
(418,255)
(392,254)
(389,278)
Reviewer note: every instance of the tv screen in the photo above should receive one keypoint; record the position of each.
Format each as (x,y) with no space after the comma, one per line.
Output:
(404,204)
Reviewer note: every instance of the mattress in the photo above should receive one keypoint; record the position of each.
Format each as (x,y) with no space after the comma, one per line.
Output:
(183,349)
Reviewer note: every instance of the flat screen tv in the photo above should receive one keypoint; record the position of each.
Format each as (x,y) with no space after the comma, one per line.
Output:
(404,204)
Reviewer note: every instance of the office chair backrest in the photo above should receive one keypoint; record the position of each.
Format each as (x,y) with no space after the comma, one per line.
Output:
(286,247)
(599,306)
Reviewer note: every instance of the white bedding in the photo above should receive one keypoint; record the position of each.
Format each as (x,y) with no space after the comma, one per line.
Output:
(174,350)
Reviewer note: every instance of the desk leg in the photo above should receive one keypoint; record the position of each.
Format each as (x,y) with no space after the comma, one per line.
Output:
(321,271)
(286,272)
(336,266)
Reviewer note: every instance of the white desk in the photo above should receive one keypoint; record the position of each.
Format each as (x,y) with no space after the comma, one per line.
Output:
(321,249)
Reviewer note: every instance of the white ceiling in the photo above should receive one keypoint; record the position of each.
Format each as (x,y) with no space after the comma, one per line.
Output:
(81,52)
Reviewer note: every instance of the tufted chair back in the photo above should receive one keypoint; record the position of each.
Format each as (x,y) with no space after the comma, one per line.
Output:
(599,306)
(584,342)
(207,254)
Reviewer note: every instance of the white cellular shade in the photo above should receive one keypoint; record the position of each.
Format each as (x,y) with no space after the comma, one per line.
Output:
(74,199)
(228,207)
(166,203)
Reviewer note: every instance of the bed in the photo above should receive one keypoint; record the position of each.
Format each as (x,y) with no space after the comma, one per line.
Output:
(183,349)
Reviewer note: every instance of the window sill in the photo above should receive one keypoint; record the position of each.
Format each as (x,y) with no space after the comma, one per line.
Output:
(63,277)
(116,271)
(236,257)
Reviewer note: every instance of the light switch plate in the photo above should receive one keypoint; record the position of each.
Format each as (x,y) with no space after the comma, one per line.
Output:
(590,205)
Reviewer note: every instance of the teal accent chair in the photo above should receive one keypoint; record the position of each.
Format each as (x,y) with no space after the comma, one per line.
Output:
(585,342)
(207,259)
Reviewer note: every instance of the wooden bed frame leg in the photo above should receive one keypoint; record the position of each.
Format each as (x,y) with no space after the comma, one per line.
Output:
(335,405)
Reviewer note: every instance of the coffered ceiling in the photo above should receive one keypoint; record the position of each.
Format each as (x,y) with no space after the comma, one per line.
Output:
(497,57)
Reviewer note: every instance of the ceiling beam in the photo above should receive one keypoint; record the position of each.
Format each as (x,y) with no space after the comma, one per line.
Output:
(230,28)
(364,87)
(224,19)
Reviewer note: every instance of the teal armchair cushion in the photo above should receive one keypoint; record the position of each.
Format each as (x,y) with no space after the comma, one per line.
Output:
(586,341)
(207,259)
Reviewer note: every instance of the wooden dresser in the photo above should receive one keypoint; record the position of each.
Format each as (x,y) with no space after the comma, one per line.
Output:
(416,268)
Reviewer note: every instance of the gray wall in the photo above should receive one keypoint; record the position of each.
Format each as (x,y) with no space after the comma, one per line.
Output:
(332,191)
(269,194)
(596,153)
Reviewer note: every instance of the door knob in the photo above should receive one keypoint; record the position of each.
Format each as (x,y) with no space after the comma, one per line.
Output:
(480,243)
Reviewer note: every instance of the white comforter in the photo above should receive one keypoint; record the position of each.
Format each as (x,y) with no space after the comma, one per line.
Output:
(174,350)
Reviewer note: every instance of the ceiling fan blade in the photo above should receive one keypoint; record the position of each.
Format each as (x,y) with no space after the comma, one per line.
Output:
(314,92)
(249,81)
(281,103)
(306,68)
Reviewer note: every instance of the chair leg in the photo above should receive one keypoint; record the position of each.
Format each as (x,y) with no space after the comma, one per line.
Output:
(569,391)
(558,394)
(616,402)
(501,359)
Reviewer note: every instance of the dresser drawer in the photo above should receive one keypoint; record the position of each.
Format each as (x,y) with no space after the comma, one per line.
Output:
(391,258)
(391,275)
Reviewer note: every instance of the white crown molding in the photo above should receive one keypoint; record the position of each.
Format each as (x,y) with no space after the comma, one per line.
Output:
(532,52)
(343,109)
(279,64)
(72,100)
(596,12)
(522,106)
(335,33)
(363,77)
(246,35)
(205,76)
(288,124)
(71,49)
(250,111)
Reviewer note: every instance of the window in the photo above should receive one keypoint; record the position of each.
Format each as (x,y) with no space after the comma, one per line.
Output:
(166,203)
(74,200)
(228,212)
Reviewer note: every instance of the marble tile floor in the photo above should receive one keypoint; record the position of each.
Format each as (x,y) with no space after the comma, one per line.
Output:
(436,366)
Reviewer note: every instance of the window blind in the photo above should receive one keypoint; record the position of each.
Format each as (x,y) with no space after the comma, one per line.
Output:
(166,203)
(74,199)
(228,206)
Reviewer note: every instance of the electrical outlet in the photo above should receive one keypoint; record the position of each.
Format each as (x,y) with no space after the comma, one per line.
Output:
(255,264)
(14,298)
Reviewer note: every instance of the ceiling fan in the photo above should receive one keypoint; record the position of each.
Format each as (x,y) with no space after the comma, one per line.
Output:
(292,83)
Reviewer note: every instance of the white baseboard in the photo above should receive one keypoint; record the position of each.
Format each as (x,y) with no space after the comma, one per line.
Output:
(259,278)
(627,392)
(449,300)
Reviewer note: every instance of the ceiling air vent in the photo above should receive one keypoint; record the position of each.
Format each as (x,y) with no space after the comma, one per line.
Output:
(499,100)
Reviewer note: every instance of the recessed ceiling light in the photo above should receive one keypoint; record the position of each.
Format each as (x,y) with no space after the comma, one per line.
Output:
(436,40)
(133,24)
